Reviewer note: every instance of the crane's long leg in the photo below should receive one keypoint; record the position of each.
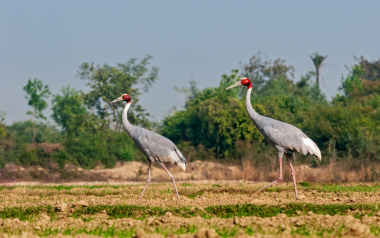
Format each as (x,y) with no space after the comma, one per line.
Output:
(172,177)
(279,179)
(148,181)
(293,175)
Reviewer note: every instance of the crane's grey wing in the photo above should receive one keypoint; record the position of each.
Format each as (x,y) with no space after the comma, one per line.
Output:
(289,137)
(157,147)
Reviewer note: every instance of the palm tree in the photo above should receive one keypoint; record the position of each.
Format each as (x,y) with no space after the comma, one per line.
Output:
(318,63)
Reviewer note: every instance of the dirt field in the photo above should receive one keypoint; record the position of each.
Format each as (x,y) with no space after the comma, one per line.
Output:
(206,209)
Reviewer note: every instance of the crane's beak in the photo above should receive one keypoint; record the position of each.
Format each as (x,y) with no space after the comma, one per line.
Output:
(234,85)
(117,99)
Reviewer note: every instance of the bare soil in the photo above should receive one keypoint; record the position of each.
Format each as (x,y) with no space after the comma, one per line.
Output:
(163,195)
(203,185)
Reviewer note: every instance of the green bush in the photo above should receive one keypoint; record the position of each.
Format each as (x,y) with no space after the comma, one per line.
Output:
(127,154)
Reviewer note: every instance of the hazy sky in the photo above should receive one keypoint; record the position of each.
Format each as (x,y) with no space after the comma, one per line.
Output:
(188,39)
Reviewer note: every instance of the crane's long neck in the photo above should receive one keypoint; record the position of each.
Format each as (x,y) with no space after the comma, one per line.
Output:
(126,124)
(251,112)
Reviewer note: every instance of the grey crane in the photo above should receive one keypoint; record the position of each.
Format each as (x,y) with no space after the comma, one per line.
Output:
(154,146)
(285,138)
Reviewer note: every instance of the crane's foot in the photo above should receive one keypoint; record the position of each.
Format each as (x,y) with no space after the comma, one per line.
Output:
(293,176)
(175,188)
(146,185)
(172,177)
(148,181)
(279,179)
(272,183)
(255,193)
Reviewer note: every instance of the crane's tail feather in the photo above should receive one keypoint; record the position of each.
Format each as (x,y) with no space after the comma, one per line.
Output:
(182,160)
(312,148)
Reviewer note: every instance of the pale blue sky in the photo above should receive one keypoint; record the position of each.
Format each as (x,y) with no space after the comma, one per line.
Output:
(199,39)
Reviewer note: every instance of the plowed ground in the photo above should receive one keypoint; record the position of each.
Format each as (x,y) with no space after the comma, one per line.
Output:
(204,210)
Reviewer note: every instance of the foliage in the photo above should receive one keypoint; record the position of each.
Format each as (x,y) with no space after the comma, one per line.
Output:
(127,154)
(87,142)
(190,93)
(22,132)
(15,146)
(36,93)
(69,111)
(92,147)
(261,69)
(3,139)
(2,126)
(2,115)
(362,82)
(371,69)
(110,82)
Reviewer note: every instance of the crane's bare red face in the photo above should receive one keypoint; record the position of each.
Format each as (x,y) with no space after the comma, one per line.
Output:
(246,82)
(126,98)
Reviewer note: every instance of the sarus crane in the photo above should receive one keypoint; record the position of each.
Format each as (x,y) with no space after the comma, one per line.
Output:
(285,138)
(154,146)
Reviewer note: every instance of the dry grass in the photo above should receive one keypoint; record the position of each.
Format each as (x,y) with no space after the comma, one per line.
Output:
(198,170)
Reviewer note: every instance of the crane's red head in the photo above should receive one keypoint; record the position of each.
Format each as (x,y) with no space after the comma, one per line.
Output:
(244,81)
(124,97)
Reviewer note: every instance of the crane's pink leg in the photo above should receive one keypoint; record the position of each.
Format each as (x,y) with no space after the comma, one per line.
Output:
(293,175)
(147,182)
(279,179)
(172,177)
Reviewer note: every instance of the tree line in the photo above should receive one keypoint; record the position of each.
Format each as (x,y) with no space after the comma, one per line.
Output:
(213,124)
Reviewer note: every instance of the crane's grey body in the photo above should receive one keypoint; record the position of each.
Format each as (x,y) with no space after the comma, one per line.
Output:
(154,146)
(282,136)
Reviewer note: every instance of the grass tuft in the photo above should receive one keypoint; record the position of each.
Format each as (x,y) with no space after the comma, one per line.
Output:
(137,212)
(109,232)
(339,188)
(293,209)
(224,232)
(229,211)
(27,214)
(305,184)
(63,187)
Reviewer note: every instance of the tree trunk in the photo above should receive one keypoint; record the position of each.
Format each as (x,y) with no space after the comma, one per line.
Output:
(34,135)
(117,127)
(317,75)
